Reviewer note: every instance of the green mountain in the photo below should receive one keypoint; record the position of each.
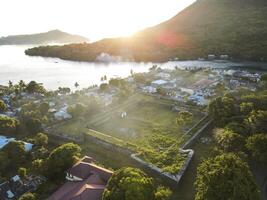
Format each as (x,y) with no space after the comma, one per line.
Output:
(237,28)
(55,36)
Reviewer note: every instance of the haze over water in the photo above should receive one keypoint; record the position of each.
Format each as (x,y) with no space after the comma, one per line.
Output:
(54,73)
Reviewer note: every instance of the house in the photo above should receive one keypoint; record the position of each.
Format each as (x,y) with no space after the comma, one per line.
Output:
(224,57)
(187,90)
(158,83)
(62,114)
(163,75)
(202,83)
(4,141)
(85,181)
(211,57)
(16,187)
(149,89)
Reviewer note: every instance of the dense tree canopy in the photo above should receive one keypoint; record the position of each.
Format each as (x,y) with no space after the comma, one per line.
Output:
(163,193)
(257,120)
(3,106)
(8,125)
(34,87)
(257,146)
(33,125)
(43,108)
(77,110)
(222,109)
(41,139)
(16,154)
(28,196)
(129,184)
(62,158)
(230,141)
(225,177)
(184,117)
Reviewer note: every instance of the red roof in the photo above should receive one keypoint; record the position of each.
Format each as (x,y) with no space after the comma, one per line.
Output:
(91,188)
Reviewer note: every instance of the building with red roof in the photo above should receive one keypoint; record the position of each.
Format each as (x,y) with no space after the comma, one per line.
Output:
(85,181)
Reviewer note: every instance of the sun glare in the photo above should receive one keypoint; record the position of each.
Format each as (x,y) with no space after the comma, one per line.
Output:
(94,19)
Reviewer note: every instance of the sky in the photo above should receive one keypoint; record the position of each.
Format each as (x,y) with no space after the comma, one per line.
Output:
(94,19)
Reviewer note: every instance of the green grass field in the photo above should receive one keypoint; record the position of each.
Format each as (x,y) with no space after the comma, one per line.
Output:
(149,129)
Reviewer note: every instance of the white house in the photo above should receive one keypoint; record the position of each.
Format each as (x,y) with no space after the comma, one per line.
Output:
(158,83)
(149,89)
(4,141)
(62,114)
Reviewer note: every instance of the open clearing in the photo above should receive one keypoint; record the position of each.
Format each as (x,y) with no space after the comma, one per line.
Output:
(147,123)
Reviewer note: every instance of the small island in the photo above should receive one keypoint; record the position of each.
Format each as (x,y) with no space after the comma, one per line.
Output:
(54,36)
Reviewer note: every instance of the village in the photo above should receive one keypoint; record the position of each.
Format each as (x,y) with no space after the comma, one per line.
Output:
(111,113)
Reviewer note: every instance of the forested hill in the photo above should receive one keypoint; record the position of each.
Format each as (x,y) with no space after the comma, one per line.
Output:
(234,27)
(55,36)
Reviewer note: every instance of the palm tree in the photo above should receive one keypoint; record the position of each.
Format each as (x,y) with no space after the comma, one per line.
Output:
(76,85)
(10,84)
(22,85)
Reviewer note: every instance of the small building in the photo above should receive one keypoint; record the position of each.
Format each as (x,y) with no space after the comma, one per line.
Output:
(4,141)
(158,83)
(149,89)
(163,75)
(62,114)
(187,90)
(224,57)
(16,187)
(211,57)
(85,181)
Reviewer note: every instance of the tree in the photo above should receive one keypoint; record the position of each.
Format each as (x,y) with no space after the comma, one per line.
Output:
(16,153)
(222,109)
(34,87)
(161,91)
(257,120)
(64,90)
(33,125)
(257,146)
(129,184)
(38,166)
(22,172)
(225,177)
(76,110)
(184,117)
(238,128)
(43,108)
(104,87)
(4,160)
(76,85)
(163,193)
(62,158)
(22,85)
(10,84)
(230,141)
(8,125)
(28,196)
(41,139)
(246,108)
(3,106)
(116,82)
(264,77)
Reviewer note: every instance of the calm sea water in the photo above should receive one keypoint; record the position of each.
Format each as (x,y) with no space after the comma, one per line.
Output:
(53,72)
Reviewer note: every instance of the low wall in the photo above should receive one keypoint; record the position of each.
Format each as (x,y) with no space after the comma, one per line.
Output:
(105,144)
(196,135)
(190,153)
(176,178)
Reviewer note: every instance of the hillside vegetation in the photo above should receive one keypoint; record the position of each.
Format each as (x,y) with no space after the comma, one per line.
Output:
(234,27)
(55,36)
